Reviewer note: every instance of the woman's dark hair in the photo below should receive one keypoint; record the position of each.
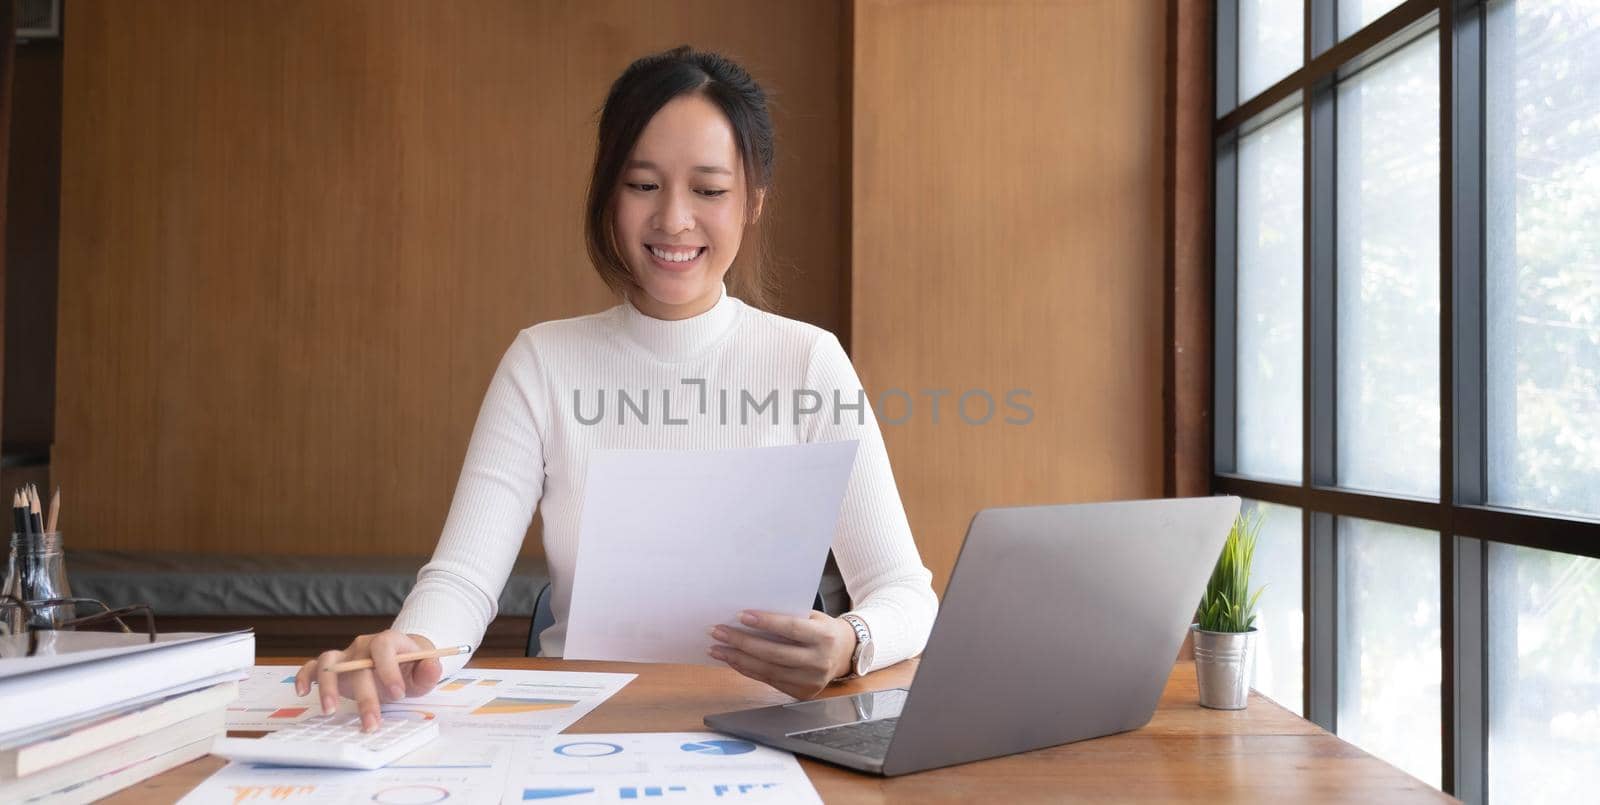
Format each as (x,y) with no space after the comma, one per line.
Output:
(642,89)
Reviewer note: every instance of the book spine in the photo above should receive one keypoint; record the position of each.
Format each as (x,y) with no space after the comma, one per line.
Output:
(112,731)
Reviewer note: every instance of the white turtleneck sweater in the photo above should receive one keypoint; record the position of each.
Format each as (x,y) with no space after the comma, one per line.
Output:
(702,382)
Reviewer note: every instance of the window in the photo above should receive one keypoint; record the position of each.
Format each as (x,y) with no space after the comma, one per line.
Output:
(1356,14)
(1269,300)
(1388,274)
(1543,242)
(1388,643)
(1408,375)
(1279,615)
(1544,675)
(1270,43)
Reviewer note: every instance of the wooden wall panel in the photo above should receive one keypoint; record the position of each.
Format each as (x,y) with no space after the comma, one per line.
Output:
(33,203)
(297,237)
(1190,246)
(8,19)
(1007,234)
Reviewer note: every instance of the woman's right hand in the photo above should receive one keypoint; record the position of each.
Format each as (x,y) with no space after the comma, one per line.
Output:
(385,681)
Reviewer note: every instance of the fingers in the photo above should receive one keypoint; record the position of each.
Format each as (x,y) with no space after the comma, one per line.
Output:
(762,671)
(385,668)
(799,656)
(328,681)
(763,649)
(749,666)
(423,677)
(303,678)
(800,630)
(364,689)
(386,680)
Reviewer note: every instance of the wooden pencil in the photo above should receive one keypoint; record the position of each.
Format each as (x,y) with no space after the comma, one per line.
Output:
(357,665)
(35,518)
(55,511)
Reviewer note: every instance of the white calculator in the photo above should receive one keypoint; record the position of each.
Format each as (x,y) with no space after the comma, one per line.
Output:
(334,742)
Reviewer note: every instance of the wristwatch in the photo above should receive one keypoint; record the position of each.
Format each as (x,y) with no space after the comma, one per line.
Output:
(861,659)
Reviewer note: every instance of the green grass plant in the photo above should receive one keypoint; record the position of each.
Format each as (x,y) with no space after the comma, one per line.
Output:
(1227,605)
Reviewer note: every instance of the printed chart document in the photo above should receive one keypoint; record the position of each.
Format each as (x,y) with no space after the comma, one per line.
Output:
(473,704)
(446,770)
(657,766)
(672,542)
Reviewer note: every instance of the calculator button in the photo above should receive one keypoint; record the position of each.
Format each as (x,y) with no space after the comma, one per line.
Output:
(332,746)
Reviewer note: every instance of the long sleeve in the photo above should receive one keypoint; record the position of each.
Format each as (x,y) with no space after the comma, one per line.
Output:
(457,592)
(890,589)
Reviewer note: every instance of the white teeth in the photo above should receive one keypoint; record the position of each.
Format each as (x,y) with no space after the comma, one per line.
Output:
(675,257)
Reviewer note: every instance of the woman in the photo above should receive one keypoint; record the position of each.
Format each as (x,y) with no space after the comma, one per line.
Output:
(683,166)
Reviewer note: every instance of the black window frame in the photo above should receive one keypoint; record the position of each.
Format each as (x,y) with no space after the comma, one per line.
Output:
(1464,521)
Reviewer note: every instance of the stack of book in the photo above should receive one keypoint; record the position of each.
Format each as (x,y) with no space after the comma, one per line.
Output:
(91,713)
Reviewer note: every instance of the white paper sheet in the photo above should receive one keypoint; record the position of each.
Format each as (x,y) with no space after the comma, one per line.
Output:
(499,704)
(667,767)
(446,770)
(672,542)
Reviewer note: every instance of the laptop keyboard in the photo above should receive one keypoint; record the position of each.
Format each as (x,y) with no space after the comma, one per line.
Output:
(869,738)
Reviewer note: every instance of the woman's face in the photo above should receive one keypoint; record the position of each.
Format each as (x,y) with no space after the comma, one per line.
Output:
(680,210)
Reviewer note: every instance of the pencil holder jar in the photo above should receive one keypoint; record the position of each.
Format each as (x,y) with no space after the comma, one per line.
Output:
(37,571)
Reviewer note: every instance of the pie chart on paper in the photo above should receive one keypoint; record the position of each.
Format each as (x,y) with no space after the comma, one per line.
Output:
(719,747)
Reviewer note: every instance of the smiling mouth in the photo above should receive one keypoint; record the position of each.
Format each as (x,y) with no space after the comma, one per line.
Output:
(675,256)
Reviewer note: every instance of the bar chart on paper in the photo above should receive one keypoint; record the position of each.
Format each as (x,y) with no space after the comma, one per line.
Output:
(504,705)
(513,704)
(719,747)
(651,767)
(443,771)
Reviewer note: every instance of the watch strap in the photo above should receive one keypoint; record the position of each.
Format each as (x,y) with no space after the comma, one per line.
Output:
(863,637)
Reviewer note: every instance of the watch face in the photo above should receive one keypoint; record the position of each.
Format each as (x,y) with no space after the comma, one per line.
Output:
(864,659)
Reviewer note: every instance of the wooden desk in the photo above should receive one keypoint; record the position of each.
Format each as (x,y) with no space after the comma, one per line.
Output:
(1262,754)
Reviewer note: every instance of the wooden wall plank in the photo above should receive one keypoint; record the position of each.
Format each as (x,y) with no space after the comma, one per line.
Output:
(1007,234)
(8,43)
(298,236)
(1189,243)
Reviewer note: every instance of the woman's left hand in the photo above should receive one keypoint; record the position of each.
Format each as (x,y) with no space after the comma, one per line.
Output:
(817,651)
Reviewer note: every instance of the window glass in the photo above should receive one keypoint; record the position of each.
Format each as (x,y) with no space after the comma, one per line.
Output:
(1543,247)
(1388,644)
(1269,303)
(1544,676)
(1280,618)
(1357,14)
(1388,274)
(1271,43)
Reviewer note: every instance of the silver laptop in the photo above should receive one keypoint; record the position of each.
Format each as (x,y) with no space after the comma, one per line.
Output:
(1060,623)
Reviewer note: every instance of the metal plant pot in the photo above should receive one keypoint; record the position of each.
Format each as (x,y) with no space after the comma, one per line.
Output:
(1223,662)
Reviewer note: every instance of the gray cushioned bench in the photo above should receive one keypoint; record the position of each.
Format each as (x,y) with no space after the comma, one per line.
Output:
(182,584)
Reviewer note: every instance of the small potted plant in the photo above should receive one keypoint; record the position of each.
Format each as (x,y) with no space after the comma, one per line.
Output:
(1224,637)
